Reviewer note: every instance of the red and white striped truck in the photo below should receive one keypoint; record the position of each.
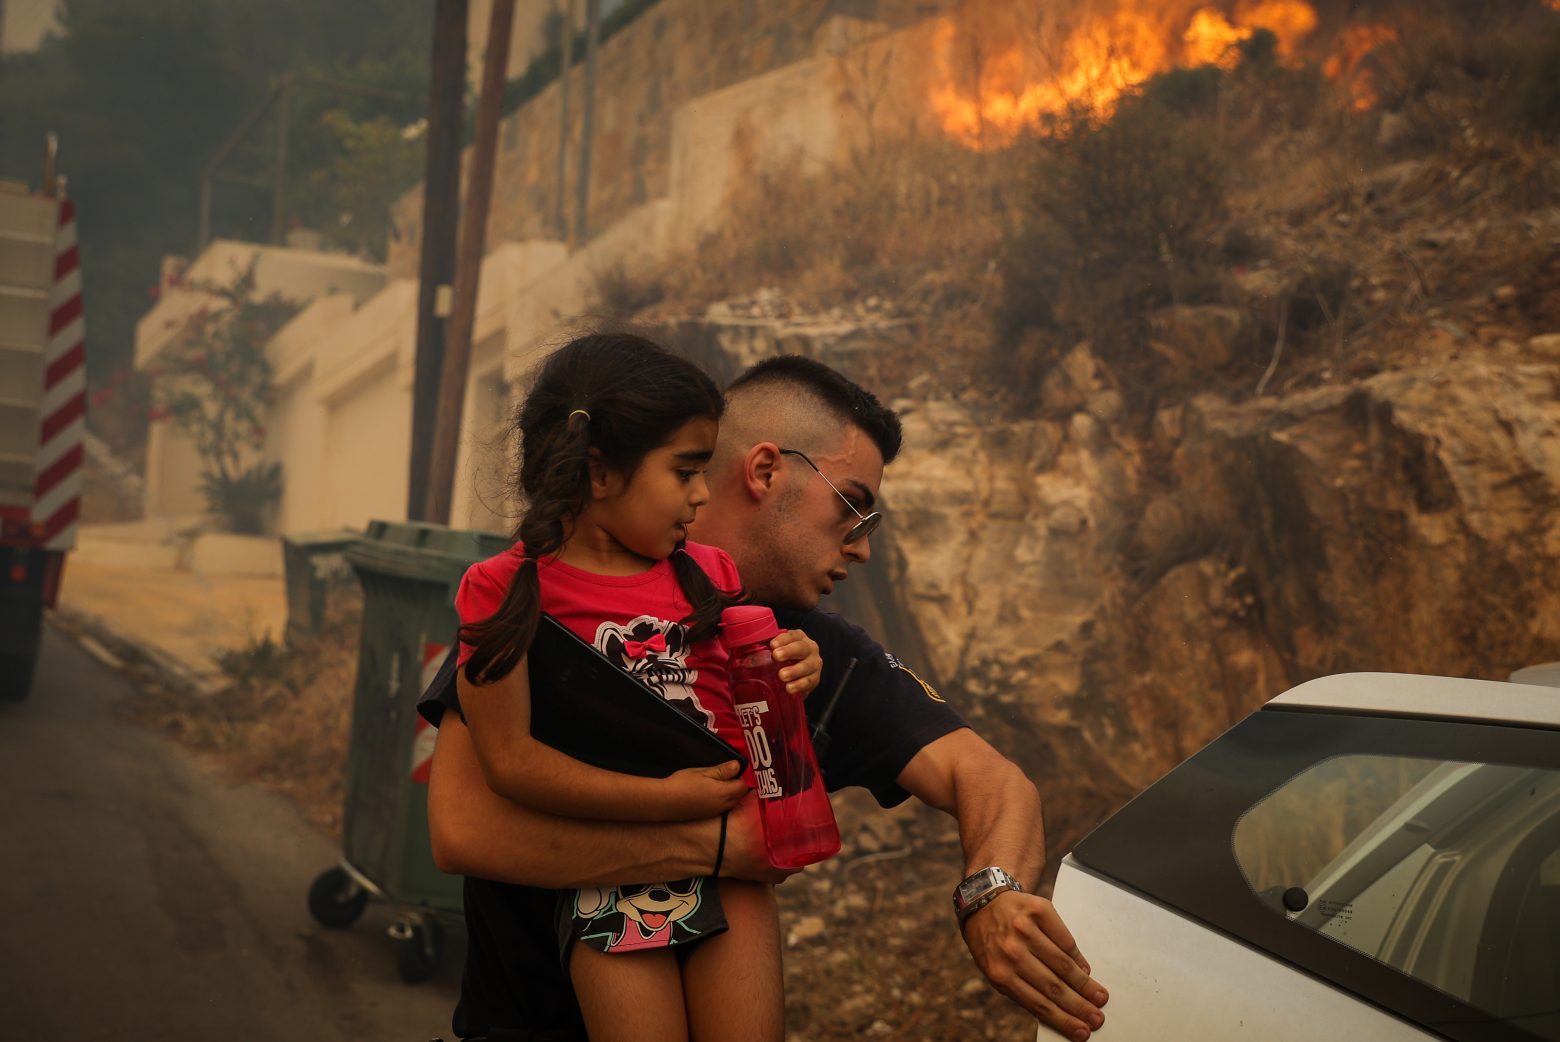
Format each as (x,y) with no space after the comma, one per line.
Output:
(43,408)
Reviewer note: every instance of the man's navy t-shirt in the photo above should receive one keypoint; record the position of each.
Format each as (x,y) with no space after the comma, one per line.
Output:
(514,986)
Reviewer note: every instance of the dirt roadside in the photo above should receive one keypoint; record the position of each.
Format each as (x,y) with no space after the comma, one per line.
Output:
(870,944)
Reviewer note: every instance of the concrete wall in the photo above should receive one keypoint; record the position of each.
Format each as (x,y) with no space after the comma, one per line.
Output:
(791,112)
(295,437)
(296,274)
(172,464)
(341,424)
(368,433)
(172,474)
(527,38)
(673,53)
(482,467)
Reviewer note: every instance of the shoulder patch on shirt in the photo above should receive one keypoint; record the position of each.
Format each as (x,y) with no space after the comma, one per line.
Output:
(931,692)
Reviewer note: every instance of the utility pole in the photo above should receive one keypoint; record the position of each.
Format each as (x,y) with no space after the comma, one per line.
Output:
(587,119)
(468,269)
(566,44)
(279,185)
(436,266)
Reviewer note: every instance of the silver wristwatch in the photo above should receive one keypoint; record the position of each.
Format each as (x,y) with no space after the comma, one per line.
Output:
(978,890)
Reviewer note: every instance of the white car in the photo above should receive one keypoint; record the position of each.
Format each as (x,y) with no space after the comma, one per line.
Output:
(1369,856)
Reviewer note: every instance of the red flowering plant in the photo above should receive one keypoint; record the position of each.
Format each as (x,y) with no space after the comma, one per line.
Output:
(214,386)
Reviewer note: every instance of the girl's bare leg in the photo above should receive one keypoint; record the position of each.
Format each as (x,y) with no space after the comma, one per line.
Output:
(732,981)
(629,997)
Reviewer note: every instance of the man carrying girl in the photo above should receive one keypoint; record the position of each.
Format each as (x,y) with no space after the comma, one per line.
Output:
(793,479)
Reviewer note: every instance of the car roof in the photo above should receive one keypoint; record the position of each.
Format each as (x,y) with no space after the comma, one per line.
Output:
(1451,698)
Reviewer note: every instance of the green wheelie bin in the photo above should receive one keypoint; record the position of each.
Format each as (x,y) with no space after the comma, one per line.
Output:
(315,566)
(409,573)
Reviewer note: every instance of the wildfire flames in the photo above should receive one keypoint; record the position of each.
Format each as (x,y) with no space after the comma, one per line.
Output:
(1049,65)
(1354,45)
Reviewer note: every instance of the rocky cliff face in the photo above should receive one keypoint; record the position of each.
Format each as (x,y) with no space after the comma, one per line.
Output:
(1103,593)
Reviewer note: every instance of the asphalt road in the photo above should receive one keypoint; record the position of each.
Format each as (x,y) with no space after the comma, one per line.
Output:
(147,897)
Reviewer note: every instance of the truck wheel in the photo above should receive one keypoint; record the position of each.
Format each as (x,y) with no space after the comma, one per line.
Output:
(335,899)
(16,676)
(421,952)
(21,632)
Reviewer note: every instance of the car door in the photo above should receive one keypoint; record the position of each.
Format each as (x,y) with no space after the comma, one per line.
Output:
(1336,872)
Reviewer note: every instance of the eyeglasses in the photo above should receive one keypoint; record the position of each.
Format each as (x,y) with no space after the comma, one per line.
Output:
(865,524)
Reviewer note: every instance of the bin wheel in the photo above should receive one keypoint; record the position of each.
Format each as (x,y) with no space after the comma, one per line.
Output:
(421,951)
(335,899)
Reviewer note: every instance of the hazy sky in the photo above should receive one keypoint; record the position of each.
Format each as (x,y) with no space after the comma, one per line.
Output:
(25,22)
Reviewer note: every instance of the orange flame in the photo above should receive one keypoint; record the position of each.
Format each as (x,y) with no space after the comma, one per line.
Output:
(1211,39)
(1102,59)
(985,96)
(1346,64)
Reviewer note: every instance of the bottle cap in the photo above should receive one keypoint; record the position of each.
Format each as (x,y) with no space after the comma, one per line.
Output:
(747,624)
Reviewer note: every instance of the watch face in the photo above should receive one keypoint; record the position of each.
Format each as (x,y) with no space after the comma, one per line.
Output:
(977,884)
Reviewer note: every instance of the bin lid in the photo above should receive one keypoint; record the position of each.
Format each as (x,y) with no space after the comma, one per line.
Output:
(331,538)
(421,551)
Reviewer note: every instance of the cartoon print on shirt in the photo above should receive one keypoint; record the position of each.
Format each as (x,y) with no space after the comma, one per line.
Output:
(637,916)
(655,651)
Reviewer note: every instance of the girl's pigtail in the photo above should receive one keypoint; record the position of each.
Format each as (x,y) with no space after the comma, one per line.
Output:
(562,489)
(707,599)
(500,641)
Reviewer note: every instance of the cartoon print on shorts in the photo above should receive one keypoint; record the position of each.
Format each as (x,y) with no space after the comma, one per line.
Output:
(638,916)
(656,652)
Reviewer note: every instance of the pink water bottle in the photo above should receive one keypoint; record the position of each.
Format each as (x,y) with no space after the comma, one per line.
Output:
(799,826)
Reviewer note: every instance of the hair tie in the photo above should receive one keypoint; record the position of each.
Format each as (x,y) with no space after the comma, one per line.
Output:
(720,848)
(580,412)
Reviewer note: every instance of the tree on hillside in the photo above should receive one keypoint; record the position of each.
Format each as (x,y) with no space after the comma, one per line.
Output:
(142,95)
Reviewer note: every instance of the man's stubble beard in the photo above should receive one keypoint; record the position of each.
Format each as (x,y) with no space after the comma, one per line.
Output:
(780,574)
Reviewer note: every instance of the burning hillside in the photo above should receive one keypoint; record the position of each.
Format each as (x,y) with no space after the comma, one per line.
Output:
(999,68)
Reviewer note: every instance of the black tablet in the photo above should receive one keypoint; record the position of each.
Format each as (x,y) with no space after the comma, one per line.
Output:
(584,705)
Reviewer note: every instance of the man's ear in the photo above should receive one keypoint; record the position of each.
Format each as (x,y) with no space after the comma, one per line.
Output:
(760,466)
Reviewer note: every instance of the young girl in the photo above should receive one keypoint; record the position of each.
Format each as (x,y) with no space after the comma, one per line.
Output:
(615,435)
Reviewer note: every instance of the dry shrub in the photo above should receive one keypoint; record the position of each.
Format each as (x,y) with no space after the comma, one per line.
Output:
(1532,97)
(1471,82)
(918,221)
(1120,219)
(285,719)
(618,292)
(1125,215)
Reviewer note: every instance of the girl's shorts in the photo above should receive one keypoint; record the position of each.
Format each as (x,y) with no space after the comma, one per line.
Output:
(639,917)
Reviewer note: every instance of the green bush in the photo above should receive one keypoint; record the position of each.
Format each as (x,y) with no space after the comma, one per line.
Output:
(242,499)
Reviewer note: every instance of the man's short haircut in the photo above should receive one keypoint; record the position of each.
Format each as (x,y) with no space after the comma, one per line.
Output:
(846,399)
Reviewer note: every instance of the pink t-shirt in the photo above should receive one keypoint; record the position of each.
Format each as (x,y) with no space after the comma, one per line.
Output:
(631,619)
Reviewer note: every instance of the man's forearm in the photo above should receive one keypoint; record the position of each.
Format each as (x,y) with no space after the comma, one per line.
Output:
(476,832)
(1001,823)
(998,809)
(1015,937)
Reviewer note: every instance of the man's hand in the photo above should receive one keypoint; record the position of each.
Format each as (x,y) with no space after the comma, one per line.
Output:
(804,667)
(1018,940)
(746,856)
(1026,951)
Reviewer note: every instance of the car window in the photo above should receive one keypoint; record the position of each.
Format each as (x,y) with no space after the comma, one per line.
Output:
(1447,871)
(1420,859)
